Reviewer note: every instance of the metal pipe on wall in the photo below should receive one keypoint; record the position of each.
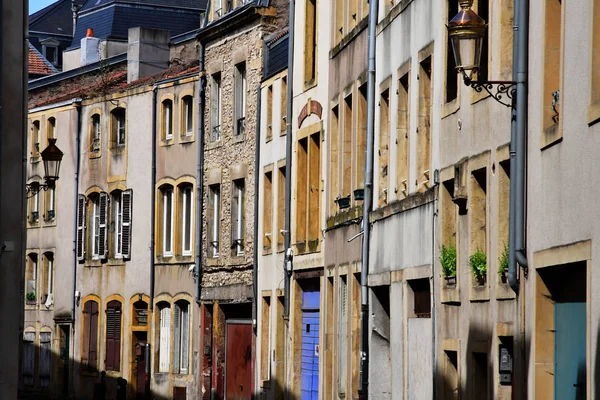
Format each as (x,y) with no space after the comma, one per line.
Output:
(200,176)
(153,197)
(76,196)
(368,203)
(256,211)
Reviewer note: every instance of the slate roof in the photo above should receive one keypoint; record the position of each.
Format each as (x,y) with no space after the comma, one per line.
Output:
(194,4)
(56,18)
(38,65)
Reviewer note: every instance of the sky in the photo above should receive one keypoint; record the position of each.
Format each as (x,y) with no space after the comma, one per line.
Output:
(36,5)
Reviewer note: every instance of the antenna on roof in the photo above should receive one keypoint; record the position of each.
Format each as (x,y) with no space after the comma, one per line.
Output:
(75,9)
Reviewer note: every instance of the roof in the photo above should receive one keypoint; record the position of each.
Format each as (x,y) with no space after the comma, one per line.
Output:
(112,18)
(276,53)
(56,18)
(38,65)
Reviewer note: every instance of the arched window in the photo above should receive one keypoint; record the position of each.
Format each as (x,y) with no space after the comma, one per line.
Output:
(31,272)
(113,336)
(167,220)
(167,119)
(140,313)
(164,330)
(186,214)
(89,351)
(51,128)
(95,131)
(181,329)
(187,116)
(118,127)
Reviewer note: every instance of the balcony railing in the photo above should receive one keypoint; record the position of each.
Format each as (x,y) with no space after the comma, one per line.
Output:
(241,126)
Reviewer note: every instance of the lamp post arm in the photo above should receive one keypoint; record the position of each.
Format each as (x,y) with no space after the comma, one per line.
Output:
(499,90)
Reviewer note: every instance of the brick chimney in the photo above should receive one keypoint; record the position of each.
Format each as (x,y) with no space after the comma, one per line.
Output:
(147,52)
(90,48)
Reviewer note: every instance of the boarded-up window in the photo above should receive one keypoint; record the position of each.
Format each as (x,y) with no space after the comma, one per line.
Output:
(264,339)
(424,124)
(310,42)
(181,340)
(280,207)
(113,336)
(89,352)
(384,140)
(268,211)
(164,339)
(403,129)
(28,357)
(308,192)
(361,137)
(45,352)
(269,113)
(283,108)
(347,148)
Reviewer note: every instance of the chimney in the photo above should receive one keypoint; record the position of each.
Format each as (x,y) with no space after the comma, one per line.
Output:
(147,52)
(90,48)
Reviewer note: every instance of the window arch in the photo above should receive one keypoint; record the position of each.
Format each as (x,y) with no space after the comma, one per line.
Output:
(95,133)
(167,119)
(51,128)
(118,127)
(167,220)
(187,116)
(181,332)
(164,336)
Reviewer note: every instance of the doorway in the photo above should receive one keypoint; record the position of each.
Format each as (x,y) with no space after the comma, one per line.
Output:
(138,366)
(64,332)
(310,344)
(238,360)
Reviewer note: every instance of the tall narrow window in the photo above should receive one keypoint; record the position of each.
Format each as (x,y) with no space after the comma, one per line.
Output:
(167,221)
(113,336)
(167,119)
(35,139)
(99,225)
(347,148)
(218,9)
(81,225)
(280,207)
(186,220)
(310,42)
(308,192)
(403,129)
(95,133)
(424,124)
(361,137)
(334,154)
(343,334)
(237,217)
(552,58)
(50,202)
(89,351)
(240,100)
(187,117)
(269,112)
(45,353)
(34,206)
(46,279)
(214,220)
(478,220)
(118,126)
(31,273)
(51,128)
(28,358)
(181,341)
(283,108)
(264,339)
(164,355)
(95,227)
(451,74)
(268,211)
(215,109)
(384,140)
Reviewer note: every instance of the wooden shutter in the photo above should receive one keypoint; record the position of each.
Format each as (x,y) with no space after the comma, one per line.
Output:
(93,336)
(44,371)
(81,227)
(113,336)
(165,339)
(126,212)
(28,357)
(177,339)
(102,231)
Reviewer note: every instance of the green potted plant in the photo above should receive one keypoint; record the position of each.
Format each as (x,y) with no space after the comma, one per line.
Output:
(478,263)
(503,264)
(30,297)
(448,261)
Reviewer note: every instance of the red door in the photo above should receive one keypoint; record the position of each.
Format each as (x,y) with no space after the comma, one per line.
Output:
(238,362)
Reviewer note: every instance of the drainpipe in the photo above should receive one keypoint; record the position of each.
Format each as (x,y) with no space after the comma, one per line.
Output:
(200,175)
(287,264)
(256,210)
(367,205)
(153,198)
(518,146)
(75,198)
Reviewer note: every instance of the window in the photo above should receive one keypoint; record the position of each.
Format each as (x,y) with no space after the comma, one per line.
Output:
(310,42)
(35,139)
(237,217)
(553,55)
(215,109)
(140,313)
(452,77)
(98,221)
(34,205)
(89,353)
(264,340)
(384,140)
(95,133)
(45,354)
(47,279)
(121,222)
(478,217)
(164,358)
(334,171)
(28,358)
(118,127)
(31,272)
(403,131)
(308,192)
(347,148)
(483,12)
(268,211)
(451,382)
(421,298)
(187,199)
(113,336)
(343,334)
(51,128)
(361,137)
(187,116)
(280,207)
(167,235)
(51,54)
(269,113)
(81,225)
(283,108)
(181,341)
(218,7)
(167,120)
(50,204)
(214,220)
(240,100)
(424,124)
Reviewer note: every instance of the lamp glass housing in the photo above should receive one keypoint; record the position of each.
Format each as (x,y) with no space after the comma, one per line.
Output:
(52,157)
(467,31)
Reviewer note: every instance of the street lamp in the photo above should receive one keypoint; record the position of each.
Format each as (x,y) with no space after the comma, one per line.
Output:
(466,32)
(51,157)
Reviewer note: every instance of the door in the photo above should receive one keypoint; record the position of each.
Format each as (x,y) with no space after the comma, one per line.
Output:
(310,345)
(138,372)
(238,360)
(64,359)
(569,351)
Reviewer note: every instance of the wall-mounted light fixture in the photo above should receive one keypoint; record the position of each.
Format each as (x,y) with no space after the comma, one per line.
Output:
(51,157)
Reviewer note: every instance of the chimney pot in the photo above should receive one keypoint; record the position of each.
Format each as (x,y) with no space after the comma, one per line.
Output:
(90,32)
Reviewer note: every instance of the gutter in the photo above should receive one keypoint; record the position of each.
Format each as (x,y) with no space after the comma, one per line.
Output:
(287,234)
(256,210)
(77,103)
(153,199)
(368,204)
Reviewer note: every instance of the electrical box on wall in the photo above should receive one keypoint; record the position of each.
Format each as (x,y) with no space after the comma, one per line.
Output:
(505,360)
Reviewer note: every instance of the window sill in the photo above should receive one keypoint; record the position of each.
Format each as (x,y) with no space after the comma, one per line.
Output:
(551,136)
(119,149)
(479,293)
(35,159)
(450,294)
(95,154)
(214,145)
(49,224)
(451,107)
(166,142)
(503,291)
(212,261)
(238,138)
(183,139)
(594,112)
(93,263)
(32,225)
(116,262)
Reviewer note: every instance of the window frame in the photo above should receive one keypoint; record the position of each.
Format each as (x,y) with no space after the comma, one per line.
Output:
(187,221)
(240,93)
(214,200)
(117,209)
(216,106)
(238,192)
(187,116)
(167,119)
(168,210)
(119,127)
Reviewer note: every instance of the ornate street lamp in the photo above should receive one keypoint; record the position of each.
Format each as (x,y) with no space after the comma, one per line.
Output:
(51,157)
(467,31)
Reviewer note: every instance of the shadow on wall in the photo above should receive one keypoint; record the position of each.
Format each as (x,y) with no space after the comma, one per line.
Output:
(92,384)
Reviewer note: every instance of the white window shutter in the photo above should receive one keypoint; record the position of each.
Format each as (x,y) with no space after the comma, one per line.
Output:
(165,339)
(81,203)
(103,231)
(177,339)
(185,328)
(126,204)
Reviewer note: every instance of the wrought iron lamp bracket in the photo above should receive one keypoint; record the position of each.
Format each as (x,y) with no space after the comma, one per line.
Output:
(499,90)
(33,188)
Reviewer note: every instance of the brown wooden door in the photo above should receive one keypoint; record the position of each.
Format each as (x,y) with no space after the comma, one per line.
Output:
(238,363)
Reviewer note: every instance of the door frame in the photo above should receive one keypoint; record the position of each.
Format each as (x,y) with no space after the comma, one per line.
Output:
(236,322)
(543,358)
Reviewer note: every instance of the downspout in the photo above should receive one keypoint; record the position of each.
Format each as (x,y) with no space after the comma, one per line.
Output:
(153,199)
(200,175)
(432,288)
(75,198)
(287,263)
(256,210)
(367,205)
(518,146)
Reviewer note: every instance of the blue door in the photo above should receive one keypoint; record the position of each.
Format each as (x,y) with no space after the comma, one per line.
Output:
(569,351)
(310,345)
